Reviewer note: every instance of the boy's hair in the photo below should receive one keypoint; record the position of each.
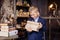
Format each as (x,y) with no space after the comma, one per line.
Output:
(33,8)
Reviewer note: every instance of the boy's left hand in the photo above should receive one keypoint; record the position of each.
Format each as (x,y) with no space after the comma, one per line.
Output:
(40,26)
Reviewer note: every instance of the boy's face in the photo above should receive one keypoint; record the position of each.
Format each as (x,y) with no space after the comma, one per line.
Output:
(34,14)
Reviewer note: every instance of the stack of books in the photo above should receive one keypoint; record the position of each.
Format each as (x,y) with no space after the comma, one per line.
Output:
(4,30)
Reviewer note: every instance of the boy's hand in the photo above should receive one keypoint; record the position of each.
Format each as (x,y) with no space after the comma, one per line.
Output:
(40,26)
(29,29)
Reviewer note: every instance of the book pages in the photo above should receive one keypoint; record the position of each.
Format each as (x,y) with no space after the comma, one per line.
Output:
(33,25)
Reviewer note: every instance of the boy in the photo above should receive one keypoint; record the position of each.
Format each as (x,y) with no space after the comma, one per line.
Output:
(35,16)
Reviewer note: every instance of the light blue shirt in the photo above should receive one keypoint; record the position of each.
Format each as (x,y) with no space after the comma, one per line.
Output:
(36,19)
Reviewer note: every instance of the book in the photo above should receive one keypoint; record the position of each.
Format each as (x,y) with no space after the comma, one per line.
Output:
(33,25)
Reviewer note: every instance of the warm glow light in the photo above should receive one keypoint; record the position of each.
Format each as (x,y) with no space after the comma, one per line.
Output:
(51,6)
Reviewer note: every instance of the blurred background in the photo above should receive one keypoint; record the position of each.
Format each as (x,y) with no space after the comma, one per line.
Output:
(17,10)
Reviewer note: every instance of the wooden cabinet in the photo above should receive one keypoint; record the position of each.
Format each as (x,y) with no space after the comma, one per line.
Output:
(22,13)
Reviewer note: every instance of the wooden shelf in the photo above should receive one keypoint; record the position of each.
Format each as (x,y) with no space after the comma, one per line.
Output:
(22,16)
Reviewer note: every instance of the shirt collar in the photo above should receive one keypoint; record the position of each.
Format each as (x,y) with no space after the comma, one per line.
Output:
(36,19)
